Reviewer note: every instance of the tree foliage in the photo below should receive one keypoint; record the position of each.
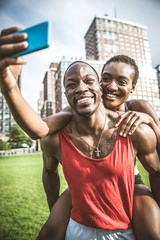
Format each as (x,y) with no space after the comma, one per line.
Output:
(17,137)
(4,145)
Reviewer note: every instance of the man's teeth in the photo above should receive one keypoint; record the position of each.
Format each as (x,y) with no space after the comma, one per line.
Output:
(84,99)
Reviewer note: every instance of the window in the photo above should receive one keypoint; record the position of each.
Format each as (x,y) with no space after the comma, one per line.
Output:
(97,20)
(104,22)
(144,32)
(120,25)
(114,24)
(98,34)
(109,23)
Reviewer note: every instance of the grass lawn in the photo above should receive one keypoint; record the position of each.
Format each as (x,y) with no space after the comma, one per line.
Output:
(23,205)
(143,173)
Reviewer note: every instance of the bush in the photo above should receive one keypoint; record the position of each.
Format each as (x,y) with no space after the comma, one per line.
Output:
(17,137)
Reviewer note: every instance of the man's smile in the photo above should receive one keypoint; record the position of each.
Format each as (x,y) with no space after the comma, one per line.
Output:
(85,100)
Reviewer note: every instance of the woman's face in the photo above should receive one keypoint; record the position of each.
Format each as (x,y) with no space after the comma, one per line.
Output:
(117,85)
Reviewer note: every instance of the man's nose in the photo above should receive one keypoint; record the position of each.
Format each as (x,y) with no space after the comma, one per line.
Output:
(81,87)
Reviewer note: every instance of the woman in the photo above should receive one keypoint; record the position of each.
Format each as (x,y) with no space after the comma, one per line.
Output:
(116,90)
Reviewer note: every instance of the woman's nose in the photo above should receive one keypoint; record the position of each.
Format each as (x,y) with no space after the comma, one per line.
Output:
(112,85)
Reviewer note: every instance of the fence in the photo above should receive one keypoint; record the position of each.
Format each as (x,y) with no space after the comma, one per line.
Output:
(18,151)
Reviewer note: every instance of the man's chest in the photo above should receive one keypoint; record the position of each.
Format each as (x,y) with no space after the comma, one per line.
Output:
(98,146)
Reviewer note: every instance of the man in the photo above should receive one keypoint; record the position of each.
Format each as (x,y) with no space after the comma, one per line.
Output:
(93,140)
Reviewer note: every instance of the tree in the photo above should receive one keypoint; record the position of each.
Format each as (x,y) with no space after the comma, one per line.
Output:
(17,137)
(4,145)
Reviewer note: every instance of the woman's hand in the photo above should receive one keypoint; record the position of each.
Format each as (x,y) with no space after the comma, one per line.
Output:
(132,121)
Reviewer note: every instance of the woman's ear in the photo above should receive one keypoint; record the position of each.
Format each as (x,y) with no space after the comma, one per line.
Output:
(133,88)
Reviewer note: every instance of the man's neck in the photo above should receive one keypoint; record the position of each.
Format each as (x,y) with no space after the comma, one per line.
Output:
(92,124)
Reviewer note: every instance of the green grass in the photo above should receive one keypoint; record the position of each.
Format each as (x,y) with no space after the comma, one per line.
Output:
(23,205)
(143,173)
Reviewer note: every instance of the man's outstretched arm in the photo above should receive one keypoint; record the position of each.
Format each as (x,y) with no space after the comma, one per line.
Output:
(10,69)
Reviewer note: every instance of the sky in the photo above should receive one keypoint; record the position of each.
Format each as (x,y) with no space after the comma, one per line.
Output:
(70,21)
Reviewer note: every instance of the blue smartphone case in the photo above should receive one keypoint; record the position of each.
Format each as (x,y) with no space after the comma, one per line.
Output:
(39,37)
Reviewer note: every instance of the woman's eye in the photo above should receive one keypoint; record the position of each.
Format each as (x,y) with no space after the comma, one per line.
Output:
(122,82)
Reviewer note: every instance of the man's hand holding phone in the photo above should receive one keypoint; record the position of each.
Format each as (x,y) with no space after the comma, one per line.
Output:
(10,67)
(39,37)
(15,42)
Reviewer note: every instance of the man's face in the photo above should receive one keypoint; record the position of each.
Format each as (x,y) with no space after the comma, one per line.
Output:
(82,89)
(117,85)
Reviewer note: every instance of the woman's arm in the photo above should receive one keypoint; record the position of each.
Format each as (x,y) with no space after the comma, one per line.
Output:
(59,120)
(144,107)
(140,111)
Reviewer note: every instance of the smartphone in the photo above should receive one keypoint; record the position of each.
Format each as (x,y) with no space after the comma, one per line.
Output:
(39,37)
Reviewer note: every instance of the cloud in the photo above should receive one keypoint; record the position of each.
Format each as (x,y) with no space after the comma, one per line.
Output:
(70,20)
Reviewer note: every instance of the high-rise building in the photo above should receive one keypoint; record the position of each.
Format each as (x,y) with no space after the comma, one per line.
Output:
(6,119)
(109,36)
(158,74)
(61,101)
(49,105)
(40,103)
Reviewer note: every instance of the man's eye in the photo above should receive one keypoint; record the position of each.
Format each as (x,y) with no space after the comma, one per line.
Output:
(72,85)
(90,81)
(106,79)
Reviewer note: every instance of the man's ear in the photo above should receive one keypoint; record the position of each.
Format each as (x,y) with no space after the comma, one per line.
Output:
(101,89)
(100,84)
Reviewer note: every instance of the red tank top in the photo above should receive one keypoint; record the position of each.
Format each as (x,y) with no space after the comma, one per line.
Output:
(101,189)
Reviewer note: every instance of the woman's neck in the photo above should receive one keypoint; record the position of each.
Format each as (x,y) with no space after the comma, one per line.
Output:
(120,108)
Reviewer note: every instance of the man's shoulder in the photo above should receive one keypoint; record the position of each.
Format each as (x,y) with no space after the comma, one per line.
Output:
(144,138)
(50,143)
